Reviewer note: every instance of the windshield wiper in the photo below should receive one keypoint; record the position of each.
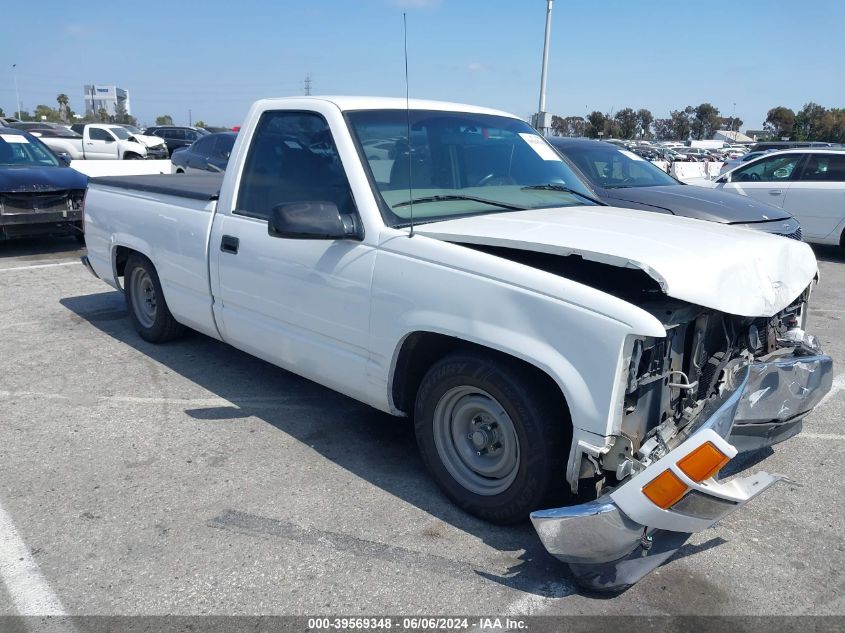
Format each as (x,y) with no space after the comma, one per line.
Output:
(556,187)
(446,198)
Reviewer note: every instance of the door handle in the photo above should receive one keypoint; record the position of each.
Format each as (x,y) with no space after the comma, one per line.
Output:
(230,244)
(775,192)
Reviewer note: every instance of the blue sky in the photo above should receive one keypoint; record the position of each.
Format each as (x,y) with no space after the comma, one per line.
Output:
(216,57)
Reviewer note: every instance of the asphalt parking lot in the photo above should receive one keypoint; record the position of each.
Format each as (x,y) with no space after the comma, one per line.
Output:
(191,478)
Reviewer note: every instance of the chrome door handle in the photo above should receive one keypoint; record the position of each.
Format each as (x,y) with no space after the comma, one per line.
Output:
(775,192)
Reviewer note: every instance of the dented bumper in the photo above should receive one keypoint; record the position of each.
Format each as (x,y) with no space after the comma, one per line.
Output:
(614,541)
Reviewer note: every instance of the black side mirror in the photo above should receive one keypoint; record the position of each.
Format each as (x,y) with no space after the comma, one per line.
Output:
(312,221)
(64,158)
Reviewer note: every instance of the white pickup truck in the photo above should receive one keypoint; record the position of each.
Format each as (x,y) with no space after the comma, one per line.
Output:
(100,141)
(590,367)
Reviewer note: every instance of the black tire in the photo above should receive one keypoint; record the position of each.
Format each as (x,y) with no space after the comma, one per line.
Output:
(539,419)
(157,325)
(131,156)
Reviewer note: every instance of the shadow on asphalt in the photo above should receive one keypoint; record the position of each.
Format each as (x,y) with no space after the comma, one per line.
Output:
(826,253)
(377,447)
(40,247)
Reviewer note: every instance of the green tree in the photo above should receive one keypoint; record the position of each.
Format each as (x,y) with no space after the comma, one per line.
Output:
(644,120)
(731,123)
(2,113)
(64,107)
(627,121)
(680,123)
(164,119)
(780,121)
(557,125)
(705,121)
(812,123)
(46,113)
(103,116)
(663,129)
(201,123)
(597,123)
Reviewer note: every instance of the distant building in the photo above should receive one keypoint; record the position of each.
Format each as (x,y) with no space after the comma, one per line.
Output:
(732,137)
(99,97)
(758,135)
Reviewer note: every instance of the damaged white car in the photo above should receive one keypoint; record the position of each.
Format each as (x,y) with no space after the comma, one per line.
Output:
(590,367)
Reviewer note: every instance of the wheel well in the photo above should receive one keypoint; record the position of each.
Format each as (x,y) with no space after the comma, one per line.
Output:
(842,238)
(128,155)
(421,350)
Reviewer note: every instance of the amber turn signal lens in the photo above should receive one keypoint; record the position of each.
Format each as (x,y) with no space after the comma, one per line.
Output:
(665,489)
(703,462)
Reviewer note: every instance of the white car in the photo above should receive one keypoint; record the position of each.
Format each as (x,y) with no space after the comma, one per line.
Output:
(808,183)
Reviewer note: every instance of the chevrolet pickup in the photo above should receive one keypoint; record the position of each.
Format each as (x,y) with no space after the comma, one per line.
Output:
(593,368)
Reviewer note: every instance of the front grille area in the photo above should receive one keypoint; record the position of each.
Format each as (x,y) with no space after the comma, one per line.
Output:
(795,235)
(29,203)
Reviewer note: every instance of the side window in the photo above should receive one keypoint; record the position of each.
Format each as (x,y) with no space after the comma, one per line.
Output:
(204,147)
(771,169)
(97,134)
(824,168)
(191,135)
(292,158)
(223,146)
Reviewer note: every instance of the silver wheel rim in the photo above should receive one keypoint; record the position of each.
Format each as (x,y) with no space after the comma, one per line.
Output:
(476,440)
(143,297)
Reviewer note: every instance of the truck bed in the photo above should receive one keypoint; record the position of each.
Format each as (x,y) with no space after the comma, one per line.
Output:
(193,186)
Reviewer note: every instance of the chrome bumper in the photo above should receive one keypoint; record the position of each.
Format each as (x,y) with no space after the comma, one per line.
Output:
(778,396)
(612,542)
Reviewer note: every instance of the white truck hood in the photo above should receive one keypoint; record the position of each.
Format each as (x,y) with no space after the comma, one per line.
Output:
(734,270)
(148,141)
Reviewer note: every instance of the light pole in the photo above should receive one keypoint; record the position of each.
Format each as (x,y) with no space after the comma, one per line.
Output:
(733,116)
(17,94)
(542,119)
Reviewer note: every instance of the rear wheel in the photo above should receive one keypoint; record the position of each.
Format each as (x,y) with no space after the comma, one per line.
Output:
(145,301)
(493,440)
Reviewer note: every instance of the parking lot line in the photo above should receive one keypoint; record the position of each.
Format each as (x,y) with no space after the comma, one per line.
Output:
(20,573)
(822,436)
(53,265)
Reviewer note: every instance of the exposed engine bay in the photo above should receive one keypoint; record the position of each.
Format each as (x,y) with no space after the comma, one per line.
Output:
(669,381)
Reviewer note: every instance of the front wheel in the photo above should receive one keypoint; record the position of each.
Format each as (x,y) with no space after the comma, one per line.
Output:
(148,310)
(494,441)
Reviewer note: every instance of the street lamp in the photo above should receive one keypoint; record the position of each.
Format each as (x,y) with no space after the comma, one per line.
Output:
(17,94)
(542,120)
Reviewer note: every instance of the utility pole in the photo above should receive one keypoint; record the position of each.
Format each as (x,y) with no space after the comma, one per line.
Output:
(308,85)
(17,94)
(542,120)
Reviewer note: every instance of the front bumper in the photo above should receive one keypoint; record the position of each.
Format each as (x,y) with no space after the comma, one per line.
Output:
(612,542)
(157,153)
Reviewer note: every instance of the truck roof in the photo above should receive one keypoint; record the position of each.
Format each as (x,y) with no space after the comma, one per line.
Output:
(349,103)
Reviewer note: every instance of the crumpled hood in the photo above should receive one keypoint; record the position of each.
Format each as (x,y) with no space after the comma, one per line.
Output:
(714,205)
(734,270)
(35,179)
(148,141)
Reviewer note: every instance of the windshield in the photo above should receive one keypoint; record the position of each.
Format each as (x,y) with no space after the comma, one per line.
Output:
(120,133)
(131,129)
(613,168)
(16,150)
(460,164)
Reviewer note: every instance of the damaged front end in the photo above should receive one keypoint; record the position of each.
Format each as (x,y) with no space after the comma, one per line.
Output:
(716,385)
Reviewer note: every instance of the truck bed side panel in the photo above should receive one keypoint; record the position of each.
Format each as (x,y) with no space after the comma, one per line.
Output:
(171,231)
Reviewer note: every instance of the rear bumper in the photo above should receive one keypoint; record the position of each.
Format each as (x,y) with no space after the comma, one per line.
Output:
(614,541)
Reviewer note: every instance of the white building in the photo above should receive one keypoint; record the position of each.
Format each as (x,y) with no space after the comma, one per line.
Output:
(732,137)
(100,97)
